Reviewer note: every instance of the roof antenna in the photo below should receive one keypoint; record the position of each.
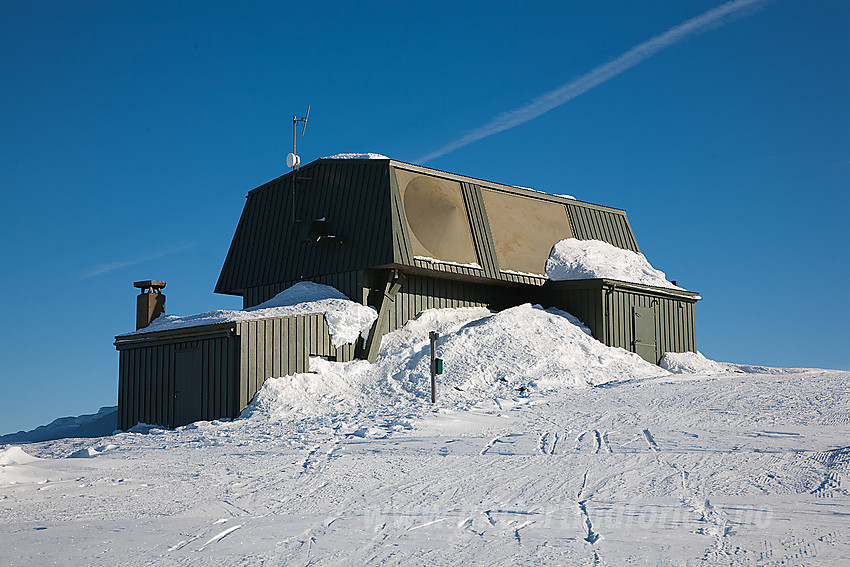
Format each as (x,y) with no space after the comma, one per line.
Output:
(293,160)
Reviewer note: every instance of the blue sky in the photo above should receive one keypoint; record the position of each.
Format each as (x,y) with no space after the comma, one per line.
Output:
(131,132)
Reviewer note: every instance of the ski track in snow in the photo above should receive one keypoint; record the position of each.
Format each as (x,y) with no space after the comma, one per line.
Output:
(548,442)
(219,536)
(591,537)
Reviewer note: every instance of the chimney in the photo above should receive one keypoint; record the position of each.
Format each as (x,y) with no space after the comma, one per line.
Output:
(150,303)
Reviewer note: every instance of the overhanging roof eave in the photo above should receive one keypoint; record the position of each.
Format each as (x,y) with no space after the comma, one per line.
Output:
(680,293)
(191,331)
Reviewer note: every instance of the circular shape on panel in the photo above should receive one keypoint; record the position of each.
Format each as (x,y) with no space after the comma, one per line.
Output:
(436,217)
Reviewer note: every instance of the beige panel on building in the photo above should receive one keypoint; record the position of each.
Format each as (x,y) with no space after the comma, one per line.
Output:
(524,229)
(436,217)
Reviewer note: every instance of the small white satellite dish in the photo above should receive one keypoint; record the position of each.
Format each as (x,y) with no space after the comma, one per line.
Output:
(292,160)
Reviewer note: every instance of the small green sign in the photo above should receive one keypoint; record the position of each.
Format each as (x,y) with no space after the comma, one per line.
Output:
(439,365)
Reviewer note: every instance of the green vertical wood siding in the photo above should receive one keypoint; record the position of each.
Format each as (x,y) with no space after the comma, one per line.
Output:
(234,365)
(277,347)
(607,309)
(448,268)
(146,381)
(582,300)
(527,279)
(353,196)
(674,320)
(592,222)
(420,293)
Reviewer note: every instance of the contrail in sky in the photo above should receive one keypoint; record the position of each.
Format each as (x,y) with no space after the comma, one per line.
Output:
(553,99)
(103,268)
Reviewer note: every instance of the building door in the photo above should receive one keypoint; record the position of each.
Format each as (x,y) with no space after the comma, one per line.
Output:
(644,328)
(187,386)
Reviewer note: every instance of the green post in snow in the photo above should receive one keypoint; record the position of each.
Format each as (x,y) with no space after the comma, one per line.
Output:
(433,335)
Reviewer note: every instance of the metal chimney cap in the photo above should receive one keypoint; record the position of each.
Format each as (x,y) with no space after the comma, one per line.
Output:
(152,284)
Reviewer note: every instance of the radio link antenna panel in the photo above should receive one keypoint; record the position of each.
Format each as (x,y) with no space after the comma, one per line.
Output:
(293,160)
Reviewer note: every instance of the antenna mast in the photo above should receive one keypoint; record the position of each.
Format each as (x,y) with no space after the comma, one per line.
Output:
(292,160)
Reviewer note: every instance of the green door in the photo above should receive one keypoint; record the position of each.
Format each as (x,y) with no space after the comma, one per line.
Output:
(644,327)
(187,386)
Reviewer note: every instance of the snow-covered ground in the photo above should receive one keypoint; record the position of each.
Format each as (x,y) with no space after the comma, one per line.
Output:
(545,447)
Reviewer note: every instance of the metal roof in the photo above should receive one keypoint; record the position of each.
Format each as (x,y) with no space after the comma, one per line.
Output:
(334,215)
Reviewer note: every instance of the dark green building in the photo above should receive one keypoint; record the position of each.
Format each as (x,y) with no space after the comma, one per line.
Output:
(404,238)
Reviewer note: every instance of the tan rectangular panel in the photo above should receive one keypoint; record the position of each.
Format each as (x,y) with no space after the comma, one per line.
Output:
(524,229)
(436,217)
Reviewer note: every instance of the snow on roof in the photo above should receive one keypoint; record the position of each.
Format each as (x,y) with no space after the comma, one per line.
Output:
(564,195)
(573,259)
(357,156)
(346,319)
(431,260)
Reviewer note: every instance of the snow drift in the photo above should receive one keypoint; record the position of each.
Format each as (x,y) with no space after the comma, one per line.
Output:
(690,363)
(14,456)
(15,467)
(346,319)
(573,259)
(509,354)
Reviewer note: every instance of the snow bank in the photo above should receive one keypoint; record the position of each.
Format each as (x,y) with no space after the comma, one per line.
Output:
(16,467)
(357,156)
(690,363)
(510,354)
(99,424)
(15,456)
(757,369)
(517,351)
(346,319)
(90,452)
(346,392)
(573,259)
(329,389)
